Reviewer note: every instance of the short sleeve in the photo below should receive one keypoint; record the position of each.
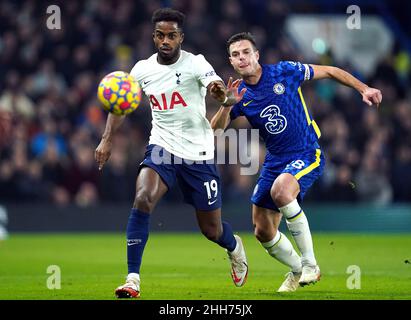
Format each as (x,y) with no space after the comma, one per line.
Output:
(203,71)
(236,111)
(136,71)
(297,70)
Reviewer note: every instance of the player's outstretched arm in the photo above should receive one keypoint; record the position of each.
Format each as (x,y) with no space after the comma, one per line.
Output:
(103,150)
(369,95)
(222,118)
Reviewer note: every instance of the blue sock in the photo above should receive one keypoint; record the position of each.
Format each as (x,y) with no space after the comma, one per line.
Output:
(137,236)
(227,239)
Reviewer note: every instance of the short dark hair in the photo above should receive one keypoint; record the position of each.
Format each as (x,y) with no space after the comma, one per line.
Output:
(241,36)
(168,14)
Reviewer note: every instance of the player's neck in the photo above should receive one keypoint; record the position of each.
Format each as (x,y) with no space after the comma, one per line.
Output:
(173,60)
(255,77)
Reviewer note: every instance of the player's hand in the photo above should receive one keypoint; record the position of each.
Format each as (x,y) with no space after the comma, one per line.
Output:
(232,88)
(372,96)
(103,152)
(218,91)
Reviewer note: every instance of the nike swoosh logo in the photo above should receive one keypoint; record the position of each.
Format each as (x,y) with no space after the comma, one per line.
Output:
(245,104)
(211,202)
(132,242)
(235,278)
(146,82)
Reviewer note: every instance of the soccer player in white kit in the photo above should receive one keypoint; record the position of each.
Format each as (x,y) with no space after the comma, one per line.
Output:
(181,146)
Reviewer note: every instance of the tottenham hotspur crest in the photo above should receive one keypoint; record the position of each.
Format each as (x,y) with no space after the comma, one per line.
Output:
(279,88)
(178,77)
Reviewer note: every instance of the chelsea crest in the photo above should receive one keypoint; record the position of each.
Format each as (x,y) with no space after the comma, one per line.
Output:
(279,88)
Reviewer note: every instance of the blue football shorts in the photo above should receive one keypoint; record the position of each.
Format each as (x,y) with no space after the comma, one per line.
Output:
(199,181)
(306,167)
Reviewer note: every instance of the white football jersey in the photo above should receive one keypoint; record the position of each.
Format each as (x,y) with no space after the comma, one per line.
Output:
(177,99)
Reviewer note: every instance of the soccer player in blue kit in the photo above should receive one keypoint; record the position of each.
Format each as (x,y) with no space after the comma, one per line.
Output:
(272,102)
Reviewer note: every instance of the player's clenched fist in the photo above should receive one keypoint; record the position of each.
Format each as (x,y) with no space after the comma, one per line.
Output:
(372,96)
(103,152)
(218,90)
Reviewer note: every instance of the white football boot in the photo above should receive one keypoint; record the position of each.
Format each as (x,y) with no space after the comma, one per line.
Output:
(290,283)
(310,274)
(131,289)
(239,267)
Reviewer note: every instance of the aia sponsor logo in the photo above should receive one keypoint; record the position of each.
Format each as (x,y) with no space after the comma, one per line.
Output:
(162,103)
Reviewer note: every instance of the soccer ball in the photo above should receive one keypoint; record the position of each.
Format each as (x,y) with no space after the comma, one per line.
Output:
(119,93)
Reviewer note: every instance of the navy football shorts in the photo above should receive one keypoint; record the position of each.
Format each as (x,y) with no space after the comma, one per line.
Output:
(199,180)
(306,167)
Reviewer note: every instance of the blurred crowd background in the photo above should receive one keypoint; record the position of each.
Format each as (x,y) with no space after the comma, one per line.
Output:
(51,122)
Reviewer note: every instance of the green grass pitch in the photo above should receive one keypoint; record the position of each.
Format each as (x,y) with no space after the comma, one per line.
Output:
(186,266)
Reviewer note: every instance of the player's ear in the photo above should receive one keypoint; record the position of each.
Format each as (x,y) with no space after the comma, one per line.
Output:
(181,37)
(257,55)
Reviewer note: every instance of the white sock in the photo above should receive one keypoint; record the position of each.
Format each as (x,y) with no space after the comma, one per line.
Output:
(281,249)
(236,249)
(297,223)
(134,277)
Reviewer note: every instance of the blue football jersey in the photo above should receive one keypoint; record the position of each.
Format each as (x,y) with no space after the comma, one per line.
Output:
(275,106)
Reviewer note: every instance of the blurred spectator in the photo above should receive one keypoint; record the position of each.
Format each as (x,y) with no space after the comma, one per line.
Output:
(5,128)
(87,195)
(372,185)
(50,122)
(14,100)
(48,136)
(117,184)
(342,189)
(45,80)
(239,187)
(53,168)
(83,169)
(32,187)
(401,175)
(6,181)
(60,196)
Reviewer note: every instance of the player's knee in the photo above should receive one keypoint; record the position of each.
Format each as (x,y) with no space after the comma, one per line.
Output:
(262,234)
(144,201)
(284,190)
(281,196)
